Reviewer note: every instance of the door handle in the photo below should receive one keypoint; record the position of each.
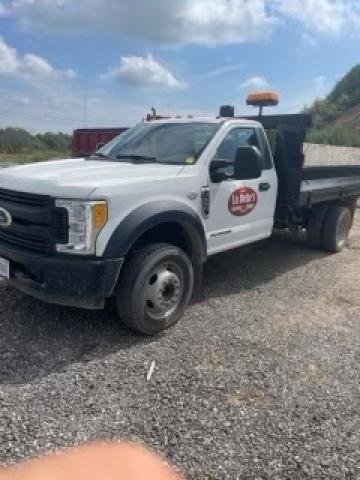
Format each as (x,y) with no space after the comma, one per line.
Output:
(264,187)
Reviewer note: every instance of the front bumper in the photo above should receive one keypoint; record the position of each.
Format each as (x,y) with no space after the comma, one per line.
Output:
(72,281)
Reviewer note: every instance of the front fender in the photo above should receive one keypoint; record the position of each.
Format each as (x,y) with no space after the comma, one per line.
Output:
(152,214)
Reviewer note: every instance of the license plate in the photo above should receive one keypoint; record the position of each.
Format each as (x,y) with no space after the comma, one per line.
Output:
(4,268)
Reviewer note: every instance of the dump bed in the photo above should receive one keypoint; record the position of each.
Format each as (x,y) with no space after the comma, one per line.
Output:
(327,183)
(301,186)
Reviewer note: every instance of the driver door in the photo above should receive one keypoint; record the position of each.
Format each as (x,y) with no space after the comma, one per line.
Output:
(241,211)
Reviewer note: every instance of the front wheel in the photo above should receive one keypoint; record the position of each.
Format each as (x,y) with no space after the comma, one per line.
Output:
(156,286)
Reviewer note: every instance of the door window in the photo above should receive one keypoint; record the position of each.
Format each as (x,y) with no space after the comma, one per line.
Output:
(237,137)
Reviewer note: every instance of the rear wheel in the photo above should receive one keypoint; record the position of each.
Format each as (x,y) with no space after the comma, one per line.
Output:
(336,228)
(315,225)
(351,204)
(155,288)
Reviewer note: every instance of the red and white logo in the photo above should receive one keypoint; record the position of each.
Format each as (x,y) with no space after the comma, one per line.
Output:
(242,201)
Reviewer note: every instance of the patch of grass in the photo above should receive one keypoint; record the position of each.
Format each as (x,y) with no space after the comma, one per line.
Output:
(33,156)
(336,135)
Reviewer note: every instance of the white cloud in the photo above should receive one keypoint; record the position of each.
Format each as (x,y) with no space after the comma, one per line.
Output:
(206,22)
(223,70)
(254,82)
(177,22)
(144,72)
(8,59)
(3,10)
(225,21)
(322,16)
(167,22)
(29,66)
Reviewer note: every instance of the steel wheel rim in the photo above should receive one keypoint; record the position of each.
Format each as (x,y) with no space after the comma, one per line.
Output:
(163,291)
(343,232)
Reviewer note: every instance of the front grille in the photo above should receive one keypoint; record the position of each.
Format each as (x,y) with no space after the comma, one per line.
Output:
(36,224)
(24,198)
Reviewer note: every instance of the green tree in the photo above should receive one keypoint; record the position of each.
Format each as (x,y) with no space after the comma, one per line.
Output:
(327,113)
(347,90)
(18,140)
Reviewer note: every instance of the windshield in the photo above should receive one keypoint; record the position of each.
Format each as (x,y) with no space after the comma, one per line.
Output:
(172,143)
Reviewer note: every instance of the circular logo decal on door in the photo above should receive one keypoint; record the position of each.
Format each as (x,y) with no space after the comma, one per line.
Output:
(242,201)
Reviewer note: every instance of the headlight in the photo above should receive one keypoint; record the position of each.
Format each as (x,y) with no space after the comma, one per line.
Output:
(85,220)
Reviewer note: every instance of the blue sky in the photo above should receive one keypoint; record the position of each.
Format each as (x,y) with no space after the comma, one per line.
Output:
(66,64)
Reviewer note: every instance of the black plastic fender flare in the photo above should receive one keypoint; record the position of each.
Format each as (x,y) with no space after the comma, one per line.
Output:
(155,213)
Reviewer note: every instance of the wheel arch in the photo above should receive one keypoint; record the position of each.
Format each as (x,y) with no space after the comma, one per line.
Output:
(160,221)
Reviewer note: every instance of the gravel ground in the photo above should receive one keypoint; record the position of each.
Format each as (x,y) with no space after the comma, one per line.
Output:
(259,381)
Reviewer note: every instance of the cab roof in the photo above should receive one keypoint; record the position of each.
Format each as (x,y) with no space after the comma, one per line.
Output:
(217,120)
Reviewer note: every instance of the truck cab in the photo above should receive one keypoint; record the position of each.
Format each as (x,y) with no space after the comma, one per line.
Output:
(137,220)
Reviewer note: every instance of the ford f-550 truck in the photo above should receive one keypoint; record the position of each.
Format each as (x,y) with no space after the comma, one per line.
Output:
(137,220)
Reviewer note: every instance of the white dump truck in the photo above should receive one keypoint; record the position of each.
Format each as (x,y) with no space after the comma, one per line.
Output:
(137,220)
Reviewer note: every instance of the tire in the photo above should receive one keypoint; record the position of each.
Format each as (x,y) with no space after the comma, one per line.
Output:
(336,230)
(315,226)
(351,204)
(155,287)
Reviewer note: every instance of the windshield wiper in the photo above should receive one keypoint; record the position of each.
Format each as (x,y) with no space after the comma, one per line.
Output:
(100,154)
(137,158)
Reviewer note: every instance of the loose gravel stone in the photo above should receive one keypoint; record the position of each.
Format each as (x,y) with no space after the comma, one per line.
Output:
(260,380)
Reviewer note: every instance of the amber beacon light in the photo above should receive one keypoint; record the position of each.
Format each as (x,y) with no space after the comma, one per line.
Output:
(263,99)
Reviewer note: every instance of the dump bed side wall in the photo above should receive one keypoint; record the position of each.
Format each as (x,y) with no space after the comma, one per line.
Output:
(329,184)
(330,171)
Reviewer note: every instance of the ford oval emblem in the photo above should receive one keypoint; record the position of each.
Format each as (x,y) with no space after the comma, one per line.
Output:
(5,218)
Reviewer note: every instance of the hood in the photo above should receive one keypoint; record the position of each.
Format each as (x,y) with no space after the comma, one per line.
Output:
(80,177)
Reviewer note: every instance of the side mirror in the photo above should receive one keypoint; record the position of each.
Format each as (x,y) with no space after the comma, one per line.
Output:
(248,163)
(100,145)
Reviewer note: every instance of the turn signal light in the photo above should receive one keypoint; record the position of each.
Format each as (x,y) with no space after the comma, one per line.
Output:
(100,215)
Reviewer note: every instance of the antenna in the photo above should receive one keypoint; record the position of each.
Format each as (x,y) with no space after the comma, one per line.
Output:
(85,110)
